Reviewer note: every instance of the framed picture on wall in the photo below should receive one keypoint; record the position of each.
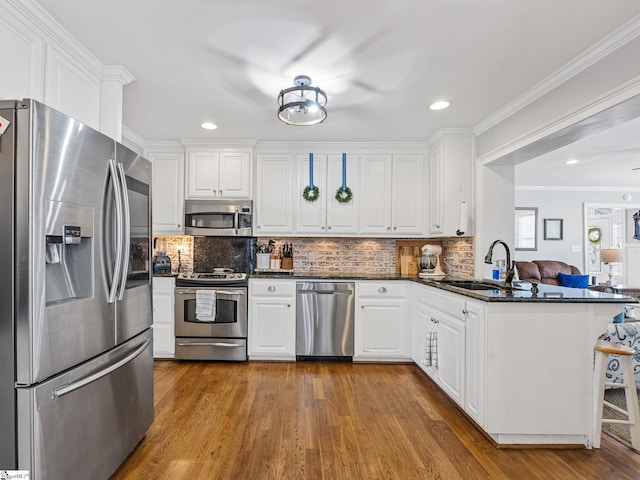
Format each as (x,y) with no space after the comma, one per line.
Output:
(553,229)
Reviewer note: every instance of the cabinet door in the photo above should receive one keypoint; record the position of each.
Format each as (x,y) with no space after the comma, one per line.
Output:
(342,218)
(163,315)
(274,194)
(202,175)
(311,217)
(436,200)
(475,362)
(424,323)
(272,327)
(381,323)
(376,198)
(234,180)
(168,197)
(451,356)
(408,196)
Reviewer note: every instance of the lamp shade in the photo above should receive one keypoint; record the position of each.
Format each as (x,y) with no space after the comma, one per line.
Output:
(611,255)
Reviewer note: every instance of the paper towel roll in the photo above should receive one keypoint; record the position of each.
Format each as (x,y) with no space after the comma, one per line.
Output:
(463,223)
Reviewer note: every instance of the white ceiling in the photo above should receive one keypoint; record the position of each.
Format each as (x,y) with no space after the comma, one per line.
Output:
(605,159)
(381,62)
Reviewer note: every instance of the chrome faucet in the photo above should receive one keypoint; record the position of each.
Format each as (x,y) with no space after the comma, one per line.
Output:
(510,265)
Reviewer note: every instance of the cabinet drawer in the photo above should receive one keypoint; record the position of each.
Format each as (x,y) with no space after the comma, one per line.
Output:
(382,290)
(272,288)
(451,304)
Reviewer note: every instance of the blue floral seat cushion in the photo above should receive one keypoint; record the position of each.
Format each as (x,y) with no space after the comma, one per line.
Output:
(626,334)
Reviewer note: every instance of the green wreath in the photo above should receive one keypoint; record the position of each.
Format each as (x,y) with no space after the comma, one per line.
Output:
(344,196)
(311,194)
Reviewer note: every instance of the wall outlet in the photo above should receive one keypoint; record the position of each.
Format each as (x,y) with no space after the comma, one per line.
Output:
(576,248)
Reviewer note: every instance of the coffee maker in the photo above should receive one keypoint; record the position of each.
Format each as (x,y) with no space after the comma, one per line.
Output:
(430,261)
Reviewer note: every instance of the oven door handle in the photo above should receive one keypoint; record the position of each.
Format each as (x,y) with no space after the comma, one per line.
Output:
(236,221)
(210,344)
(191,291)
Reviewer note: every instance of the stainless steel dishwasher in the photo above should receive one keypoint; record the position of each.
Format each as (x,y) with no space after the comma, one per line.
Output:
(324,320)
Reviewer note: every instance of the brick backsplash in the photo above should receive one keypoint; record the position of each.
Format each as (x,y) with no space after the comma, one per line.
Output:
(357,255)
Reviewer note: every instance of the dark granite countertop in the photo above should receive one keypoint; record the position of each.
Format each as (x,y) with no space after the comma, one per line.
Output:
(523,294)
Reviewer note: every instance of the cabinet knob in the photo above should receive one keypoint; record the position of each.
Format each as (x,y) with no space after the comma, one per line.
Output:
(465,311)
(214,192)
(271,288)
(329,228)
(436,226)
(395,228)
(221,194)
(322,228)
(288,305)
(382,290)
(388,228)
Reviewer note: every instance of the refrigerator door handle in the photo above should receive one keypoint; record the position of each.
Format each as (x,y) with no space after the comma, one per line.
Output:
(126,231)
(72,387)
(117,271)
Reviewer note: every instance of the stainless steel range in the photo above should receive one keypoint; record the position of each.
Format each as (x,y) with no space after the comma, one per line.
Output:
(211,316)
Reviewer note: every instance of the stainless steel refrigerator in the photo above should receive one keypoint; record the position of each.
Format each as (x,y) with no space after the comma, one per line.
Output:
(76,362)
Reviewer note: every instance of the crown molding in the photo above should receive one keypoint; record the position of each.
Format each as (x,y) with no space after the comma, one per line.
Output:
(608,100)
(395,147)
(592,55)
(117,73)
(560,188)
(217,144)
(38,18)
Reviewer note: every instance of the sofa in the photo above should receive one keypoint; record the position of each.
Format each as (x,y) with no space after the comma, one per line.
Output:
(544,271)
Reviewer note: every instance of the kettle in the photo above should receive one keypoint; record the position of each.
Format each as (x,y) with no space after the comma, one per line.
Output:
(161,263)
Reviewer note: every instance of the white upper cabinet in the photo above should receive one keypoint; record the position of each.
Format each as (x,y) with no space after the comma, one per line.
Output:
(326,215)
(451,156)
(218,174)
(168,194)
(392,201)
(274,194)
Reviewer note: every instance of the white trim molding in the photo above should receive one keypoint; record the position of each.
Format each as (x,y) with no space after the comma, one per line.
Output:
(592,55)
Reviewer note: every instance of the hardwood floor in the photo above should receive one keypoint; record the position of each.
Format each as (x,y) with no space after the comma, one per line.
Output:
(333,421)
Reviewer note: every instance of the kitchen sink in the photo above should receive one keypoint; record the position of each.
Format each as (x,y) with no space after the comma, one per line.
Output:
(473,285)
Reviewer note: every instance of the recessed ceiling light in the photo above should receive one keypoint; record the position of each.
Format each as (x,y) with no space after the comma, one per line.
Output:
(209,126)
(440,105)
(571,161)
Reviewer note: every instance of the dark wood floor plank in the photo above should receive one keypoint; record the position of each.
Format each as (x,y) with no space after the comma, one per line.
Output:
(333,421)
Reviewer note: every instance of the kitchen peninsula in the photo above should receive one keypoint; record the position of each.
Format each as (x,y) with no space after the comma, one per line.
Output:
(518,363)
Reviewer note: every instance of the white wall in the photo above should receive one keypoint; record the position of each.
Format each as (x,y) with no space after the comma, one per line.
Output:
(567,205)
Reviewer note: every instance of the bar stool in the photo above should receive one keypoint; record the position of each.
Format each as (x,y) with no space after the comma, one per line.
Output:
(603,350)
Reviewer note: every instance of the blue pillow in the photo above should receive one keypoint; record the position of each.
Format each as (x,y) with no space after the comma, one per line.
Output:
(573,281)
(619,318)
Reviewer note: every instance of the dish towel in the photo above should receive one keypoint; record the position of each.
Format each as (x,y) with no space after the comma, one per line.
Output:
(430,358)
(205,305)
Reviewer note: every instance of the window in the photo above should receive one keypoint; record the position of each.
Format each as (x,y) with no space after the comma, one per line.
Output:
(526,228)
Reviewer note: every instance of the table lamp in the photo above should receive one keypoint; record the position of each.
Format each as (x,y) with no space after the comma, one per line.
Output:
(610,256)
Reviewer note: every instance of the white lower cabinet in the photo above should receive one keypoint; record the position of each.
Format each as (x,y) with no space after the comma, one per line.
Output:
(475,380)
(451,356)
(163,315)
(445,361)
(382,328)
(272,319)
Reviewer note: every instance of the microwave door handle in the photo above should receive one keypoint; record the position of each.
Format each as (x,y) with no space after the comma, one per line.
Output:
(126,232)
(117,270)
(236,221)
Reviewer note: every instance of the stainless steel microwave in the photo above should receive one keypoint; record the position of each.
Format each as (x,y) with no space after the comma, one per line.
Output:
(218,218)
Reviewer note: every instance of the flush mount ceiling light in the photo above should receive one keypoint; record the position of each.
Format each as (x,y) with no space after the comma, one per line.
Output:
(571,161)
(209,126)
(440,105)
(302,104)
